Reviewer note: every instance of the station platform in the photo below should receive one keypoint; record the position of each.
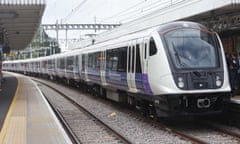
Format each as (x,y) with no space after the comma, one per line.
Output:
(26,117)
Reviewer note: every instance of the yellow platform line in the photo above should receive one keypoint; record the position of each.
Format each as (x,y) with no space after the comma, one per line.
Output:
(7,119)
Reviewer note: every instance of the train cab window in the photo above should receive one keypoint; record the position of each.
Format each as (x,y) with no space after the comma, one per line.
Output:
(192,48)
(152,48)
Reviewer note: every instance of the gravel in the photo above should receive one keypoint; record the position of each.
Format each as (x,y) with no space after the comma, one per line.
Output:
(135,128)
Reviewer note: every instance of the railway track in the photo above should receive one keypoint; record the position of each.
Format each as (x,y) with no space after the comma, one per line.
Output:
(82,125)
(206,133)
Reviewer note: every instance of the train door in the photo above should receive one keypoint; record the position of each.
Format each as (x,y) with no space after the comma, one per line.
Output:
(131,66)
(102,59)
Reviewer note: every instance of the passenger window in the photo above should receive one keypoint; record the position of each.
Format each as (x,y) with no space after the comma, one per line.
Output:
(153,48)
(116,59)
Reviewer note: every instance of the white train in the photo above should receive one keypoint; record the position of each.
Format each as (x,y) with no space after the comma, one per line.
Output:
(177,68)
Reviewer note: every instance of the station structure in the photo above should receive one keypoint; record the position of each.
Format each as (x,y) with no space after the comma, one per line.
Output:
(19,20)
(25,115)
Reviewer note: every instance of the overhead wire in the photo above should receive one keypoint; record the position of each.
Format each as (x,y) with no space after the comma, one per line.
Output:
(133,10)
(146,10)
(125,10)
(74,10)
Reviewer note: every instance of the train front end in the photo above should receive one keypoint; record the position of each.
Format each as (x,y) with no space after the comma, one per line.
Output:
(195,78)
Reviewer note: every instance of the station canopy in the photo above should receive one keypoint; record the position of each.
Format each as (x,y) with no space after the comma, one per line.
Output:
(19,20)
(225,18)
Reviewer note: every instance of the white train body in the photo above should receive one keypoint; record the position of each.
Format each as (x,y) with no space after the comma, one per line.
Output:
(179,68)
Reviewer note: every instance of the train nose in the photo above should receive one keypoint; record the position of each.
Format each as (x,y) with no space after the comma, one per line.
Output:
(203,103)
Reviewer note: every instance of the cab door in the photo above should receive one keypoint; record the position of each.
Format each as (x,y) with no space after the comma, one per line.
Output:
(131,66)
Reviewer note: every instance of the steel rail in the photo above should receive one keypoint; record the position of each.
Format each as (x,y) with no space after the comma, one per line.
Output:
(81,108)
(63,121)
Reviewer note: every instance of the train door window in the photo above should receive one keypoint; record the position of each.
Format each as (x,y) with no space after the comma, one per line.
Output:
(102,59)
(109,61)
(62,63)
(153,48)
(114,60)
(138,61)
(94,61)
(44,64)
(76,66)
(83,62)
(53,63)
(98,61)
(70,63)
(122,61)
(129,58)
(145,50)
(49,65)
(133,58)
(58,63)
(90,61)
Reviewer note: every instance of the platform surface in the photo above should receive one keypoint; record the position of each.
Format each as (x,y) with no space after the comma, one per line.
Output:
(30,120)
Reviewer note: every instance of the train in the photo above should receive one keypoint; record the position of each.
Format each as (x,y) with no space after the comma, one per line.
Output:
(174,69)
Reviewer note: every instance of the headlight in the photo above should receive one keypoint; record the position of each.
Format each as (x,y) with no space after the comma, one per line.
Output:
(180,82)
(218,81)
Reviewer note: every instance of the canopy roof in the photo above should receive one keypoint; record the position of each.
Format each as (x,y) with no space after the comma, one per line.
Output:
(19,20)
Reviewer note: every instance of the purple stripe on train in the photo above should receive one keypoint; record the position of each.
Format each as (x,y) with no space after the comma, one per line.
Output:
(146,85)
(119,80)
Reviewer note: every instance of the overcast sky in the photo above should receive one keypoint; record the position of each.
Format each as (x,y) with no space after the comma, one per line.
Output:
(84,11)
(105,11)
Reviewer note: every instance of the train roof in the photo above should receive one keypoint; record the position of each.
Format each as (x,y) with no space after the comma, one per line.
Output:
(124,40)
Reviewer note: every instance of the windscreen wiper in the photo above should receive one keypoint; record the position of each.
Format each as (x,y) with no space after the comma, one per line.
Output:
(177,55)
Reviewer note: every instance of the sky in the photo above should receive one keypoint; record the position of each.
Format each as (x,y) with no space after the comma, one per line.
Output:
(101,11)
(84,11)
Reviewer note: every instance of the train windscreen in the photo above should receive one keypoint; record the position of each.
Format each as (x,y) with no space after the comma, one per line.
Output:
(192,48)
